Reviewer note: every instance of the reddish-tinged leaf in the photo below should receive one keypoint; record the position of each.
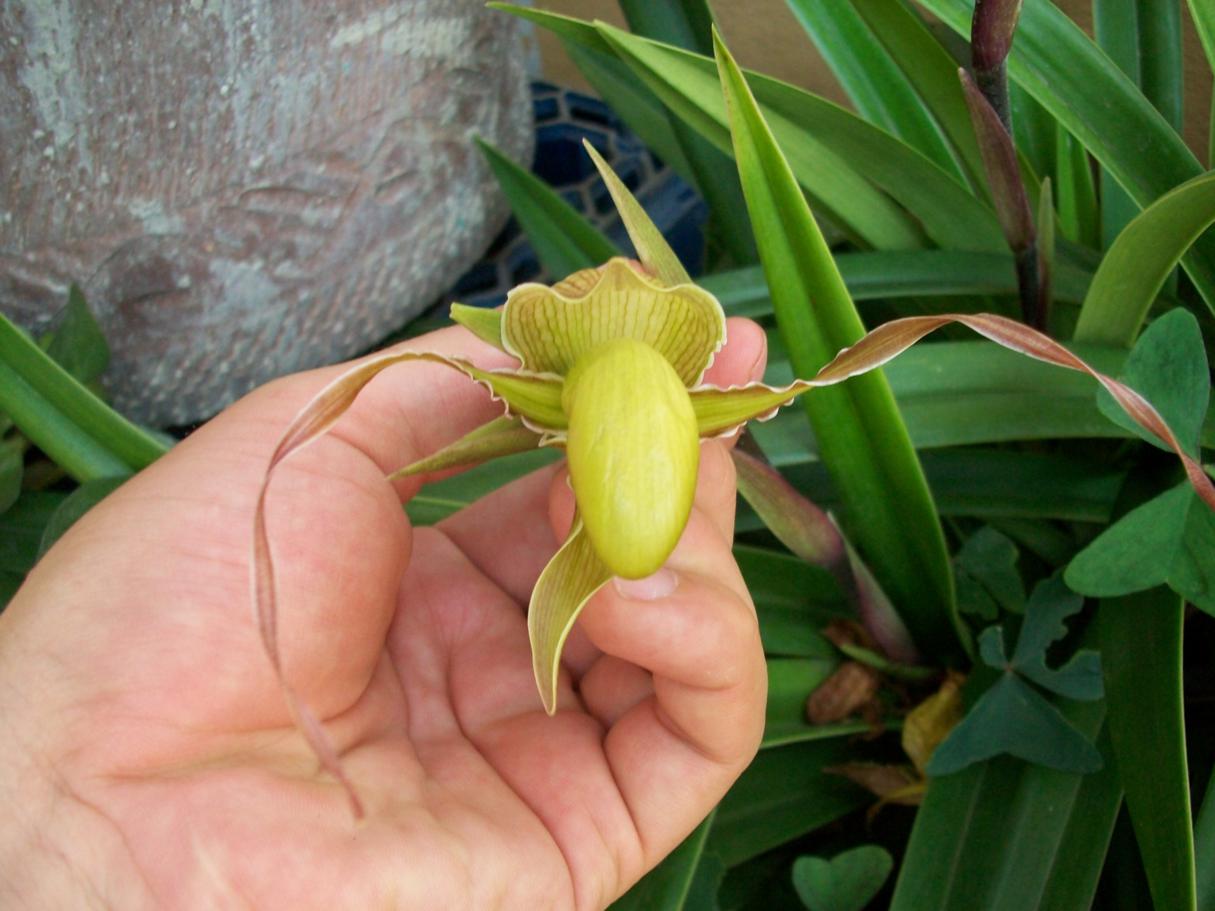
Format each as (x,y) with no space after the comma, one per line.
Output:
(796,521)
(1000,164)
(813,535)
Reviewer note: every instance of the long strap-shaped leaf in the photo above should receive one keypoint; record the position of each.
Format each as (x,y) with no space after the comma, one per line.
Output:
(1061,67)
(889,512)
(878,88)
(688,24)
(1140,260)
(824,143)
(62,417)
(1141,639)
(563,239)
(934,74)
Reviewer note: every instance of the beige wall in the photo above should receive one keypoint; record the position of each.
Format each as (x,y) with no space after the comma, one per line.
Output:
(764,35)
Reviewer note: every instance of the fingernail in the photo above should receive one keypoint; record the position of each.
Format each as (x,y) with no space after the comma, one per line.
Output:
(651,588)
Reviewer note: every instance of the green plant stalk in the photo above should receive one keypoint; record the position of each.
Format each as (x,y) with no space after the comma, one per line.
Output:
(862,439)
(1141,637)
(992,28)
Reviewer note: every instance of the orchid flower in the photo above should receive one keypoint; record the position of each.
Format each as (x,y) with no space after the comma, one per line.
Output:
(611,362)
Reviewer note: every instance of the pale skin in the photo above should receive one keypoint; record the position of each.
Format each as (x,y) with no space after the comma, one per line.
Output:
(149,758)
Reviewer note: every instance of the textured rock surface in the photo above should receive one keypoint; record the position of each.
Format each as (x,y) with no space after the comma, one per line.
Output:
(246,187)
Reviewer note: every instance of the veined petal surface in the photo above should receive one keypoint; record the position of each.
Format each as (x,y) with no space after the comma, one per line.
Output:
(573,575)
(548,329)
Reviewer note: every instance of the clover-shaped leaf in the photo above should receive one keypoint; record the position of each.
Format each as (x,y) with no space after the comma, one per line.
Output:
(1012,716)
(846,882)
(987,576)
(1168,366)
(1168,540)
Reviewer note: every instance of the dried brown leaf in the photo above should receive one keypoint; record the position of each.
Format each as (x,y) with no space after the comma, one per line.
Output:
(847,691)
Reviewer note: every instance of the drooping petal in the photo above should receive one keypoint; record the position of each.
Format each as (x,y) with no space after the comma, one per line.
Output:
(721,411)
(549,330)
(501,436)
(573,575)
(652,248)
(891,339)
(534,398)
(633,454)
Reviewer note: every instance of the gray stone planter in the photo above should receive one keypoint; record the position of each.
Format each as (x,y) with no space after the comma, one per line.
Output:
(244,187)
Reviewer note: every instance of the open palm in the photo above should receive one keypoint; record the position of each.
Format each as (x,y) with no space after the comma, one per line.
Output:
(151,760)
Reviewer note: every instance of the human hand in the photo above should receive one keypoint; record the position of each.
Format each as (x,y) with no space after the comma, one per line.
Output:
(150,760)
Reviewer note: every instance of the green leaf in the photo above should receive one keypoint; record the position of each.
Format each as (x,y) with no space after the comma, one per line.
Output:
(987,560)
(1168,367)
(21,529)
(61,417)
(1137,264)
(1203,14)
(1033,129)
(568,581)
(1141,641)
(688,24)
(877,87)
(1077,195)
(834,154)
(882,274)
(889,514)
(77,503)
(933,73)
(1204,847)
(792,599)
(1116,28)
(1167,540)
(1011,836)
(77,343)
(1049,606)
(846,882)
(1012,718)
(783,794)
(613,81)
(563,239)
(669,886)
(1061,67)
(12,469)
